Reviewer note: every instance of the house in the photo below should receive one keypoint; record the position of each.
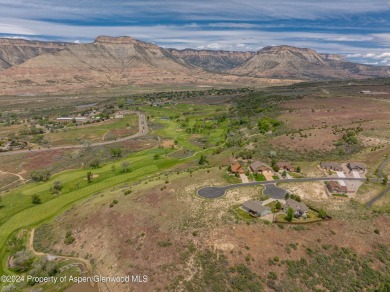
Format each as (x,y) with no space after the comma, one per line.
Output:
(256,208)
(336,188)
(237,168)
(300,209)
(258,166)
(285,165)
(335,166)
(357,166)
(118,116)
(71,119)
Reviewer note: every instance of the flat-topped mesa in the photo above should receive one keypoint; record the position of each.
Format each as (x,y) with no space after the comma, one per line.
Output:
(115,40)
(124,41)
(289,51)
(31,43)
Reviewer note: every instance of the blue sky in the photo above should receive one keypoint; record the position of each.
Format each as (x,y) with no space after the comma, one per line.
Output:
(358,29)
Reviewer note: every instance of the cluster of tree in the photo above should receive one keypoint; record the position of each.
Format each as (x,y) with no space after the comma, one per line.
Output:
(350,138)
(31,131)
(266,124)
(293,197)
(40,175)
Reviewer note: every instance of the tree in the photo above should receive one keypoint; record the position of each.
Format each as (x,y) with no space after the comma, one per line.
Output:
(156,156)
(1,202)
(116,152)
(121,103)
(56,188)
(290,214)
(95,163)
(278,205)
(126,166)
(298,169)
(284,174)
(35,199)
(287,196)
(385,180)
(202,160)
(89,176)
(322,213)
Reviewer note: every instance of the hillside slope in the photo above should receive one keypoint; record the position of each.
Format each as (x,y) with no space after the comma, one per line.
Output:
(16,51)
(299,63)
(212,60)
(110,62)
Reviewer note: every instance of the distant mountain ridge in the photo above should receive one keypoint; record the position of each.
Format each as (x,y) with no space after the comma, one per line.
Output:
(306,64)
(17,51)
(32,66)
(212,60)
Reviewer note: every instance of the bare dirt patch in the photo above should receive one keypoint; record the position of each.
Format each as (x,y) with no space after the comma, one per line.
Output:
(315,139)
(167,143)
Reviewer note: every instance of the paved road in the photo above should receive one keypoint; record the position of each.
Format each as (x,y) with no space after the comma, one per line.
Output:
(275,192)
(143,130)
(385,191)
(219,191)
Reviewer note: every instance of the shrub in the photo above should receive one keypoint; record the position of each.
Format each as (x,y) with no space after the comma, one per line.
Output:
(69,239)
(95,163)
(23,260)
(116,152)
(36,199)
(377,231)
(272,276)
(322,213)
(56,187)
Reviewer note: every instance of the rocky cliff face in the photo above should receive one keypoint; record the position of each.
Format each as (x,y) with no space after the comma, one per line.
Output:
(298,63)
(212,60)
(30,67)
(17,51)
(106,62)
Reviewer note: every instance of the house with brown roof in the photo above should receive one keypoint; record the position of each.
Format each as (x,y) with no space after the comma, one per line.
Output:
(285,165)
(356,166)
(260,167)
(237,168)
(256,208)
(335,166)
(299,208)
(334,187)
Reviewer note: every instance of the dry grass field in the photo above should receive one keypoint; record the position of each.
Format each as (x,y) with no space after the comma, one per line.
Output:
(159,227)
(315,117)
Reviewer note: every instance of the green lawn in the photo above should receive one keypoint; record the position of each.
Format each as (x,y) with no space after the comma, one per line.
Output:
(201,117)
(259,177)
(19,212)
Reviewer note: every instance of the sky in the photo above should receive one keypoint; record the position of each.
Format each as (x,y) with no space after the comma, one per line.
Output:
(357,29)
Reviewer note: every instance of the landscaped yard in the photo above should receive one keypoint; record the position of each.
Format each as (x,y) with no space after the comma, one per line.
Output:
(312,217)
(258,177)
